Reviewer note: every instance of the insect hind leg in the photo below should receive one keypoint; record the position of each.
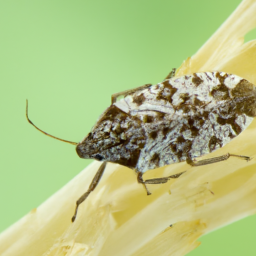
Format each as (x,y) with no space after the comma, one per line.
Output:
(215,159)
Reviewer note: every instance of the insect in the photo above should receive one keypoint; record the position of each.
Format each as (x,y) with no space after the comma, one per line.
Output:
(177,120)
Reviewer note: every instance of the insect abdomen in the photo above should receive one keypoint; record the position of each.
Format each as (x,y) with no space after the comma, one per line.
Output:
(190,116)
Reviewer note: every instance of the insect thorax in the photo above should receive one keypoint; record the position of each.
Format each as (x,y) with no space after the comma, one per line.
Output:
(172,121)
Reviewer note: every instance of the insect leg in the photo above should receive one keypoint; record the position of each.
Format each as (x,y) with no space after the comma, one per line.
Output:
(171,74)
(140,180)
(215,159)
(163,179)
(124,93)
(92,186)
(156,180)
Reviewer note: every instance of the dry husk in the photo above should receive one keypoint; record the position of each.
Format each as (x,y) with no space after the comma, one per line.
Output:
(119,219)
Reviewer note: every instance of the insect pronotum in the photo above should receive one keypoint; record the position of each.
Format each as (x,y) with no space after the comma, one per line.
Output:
(176,120)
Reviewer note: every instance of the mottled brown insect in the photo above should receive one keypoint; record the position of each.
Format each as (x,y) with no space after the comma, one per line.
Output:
(176,120)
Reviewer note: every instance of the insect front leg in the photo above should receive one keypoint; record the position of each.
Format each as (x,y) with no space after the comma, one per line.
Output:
(215,159)
(92,186)
(156,180)
(124,93)
(127,92)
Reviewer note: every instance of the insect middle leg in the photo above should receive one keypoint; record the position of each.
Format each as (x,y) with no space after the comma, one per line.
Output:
(171,74)
(156,180)
(92,186)
(124,93)
(215,159)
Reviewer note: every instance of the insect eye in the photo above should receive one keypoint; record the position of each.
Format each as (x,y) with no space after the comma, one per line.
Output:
(98,157)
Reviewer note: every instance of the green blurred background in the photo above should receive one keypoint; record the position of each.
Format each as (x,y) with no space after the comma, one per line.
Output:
(67,58)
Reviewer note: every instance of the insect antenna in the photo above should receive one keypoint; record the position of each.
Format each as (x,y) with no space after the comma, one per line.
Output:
(67,141)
